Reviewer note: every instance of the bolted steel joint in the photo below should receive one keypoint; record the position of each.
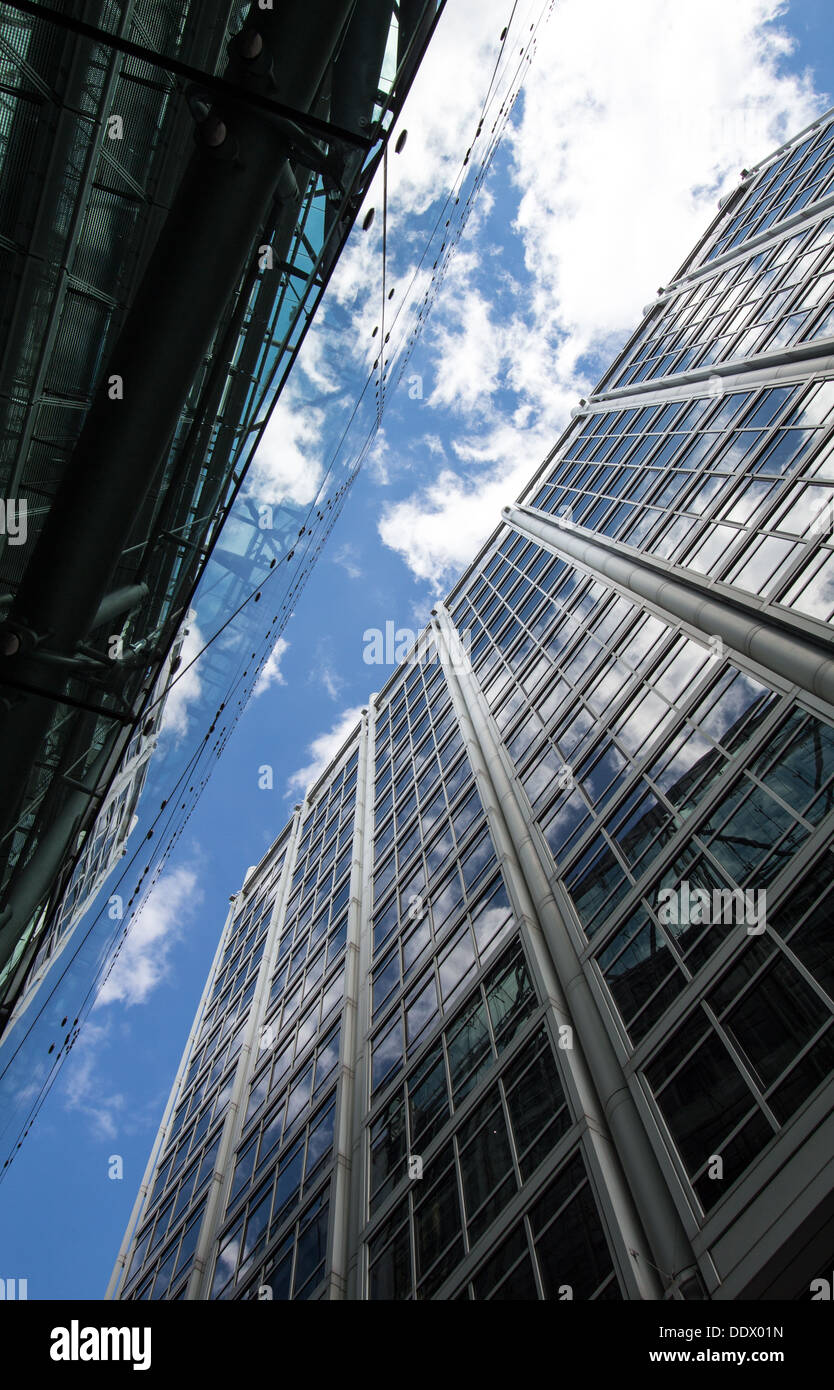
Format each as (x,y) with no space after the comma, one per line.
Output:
(16,639)
(211,129)
(249,49)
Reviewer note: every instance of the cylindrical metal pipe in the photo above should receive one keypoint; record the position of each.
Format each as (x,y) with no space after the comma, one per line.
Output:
(753,633)
(345,1155)
(645,1182)
(119,602)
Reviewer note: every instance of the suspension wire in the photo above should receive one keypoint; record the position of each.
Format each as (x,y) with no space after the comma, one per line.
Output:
(380,392)
(172,835)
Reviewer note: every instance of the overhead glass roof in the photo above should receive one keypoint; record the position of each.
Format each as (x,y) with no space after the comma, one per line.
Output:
(96,126)
(223,573)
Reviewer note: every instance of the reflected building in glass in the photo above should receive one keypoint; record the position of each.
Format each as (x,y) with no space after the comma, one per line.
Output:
(533,998)
(177,183)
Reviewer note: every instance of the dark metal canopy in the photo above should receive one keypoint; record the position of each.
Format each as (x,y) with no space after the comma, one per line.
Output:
(176,183)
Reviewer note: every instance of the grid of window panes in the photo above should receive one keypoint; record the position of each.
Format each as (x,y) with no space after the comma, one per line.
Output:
(440,904)
(108,835)
(773,298)
(285,1149)
(746,838)
(482,1108)
(622,729)
(757,1045)
(557,1250)
(801,175)
(654,767)
(294,1268)
(108,832)
(739,489)
(167,1236)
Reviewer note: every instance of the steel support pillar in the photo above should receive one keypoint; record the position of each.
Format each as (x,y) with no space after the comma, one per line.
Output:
(746,629)
(348,1135)
(118,603)
(591,1071)
(356,82)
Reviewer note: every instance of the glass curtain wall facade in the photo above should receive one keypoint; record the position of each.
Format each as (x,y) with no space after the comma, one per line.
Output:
(177,182)
(533,998)
(102,847)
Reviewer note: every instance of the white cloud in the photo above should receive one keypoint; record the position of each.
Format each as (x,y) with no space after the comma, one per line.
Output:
(378,460)
(348,557)
(271,669)
(635,119)
(420,609)
(82,1083)
(468,354)
(440,529)
(331,681)
(442,115)
(318,369)
(143,962)
(287,466)
(434,444)
(651,110)
(323,749)
(187,688)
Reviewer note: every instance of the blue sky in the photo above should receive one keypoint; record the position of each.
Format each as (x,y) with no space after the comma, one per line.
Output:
(634,120)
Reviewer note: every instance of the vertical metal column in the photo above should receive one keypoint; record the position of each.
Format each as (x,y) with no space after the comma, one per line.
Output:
(616,1140)
(347,1152)
(685,598)
(361,1063)
(199,1281)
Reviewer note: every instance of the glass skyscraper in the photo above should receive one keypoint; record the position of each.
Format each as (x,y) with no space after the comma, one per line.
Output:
(533,998)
